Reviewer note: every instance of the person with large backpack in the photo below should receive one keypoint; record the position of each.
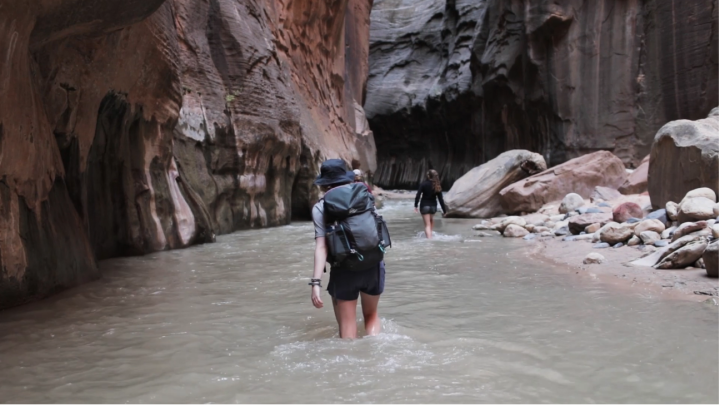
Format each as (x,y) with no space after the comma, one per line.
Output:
(352,237)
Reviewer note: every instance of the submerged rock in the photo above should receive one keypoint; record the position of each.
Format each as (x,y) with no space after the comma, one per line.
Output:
(594,258)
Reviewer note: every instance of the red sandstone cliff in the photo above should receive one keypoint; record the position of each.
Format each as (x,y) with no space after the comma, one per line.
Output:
(140,125)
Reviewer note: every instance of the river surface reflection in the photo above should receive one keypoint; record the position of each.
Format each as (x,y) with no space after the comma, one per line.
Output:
(465,319)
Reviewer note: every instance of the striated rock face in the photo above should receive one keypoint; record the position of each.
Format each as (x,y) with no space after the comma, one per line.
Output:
(138,126)
(453,84)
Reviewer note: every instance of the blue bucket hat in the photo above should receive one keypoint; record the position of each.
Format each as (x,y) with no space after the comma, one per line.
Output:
(334,171)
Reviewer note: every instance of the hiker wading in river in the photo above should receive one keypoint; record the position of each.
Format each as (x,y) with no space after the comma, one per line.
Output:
(352,237)
(428,195)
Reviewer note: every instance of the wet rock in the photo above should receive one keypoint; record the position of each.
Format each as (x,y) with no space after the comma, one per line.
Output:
(570,203)
(604,194)
(634,241)
(677,142)
(660,215)
(514,231)
(594,227)
(601,245)
(618,245)
(687,228)
(684,256)
(475,194)
(649,237)
(649,225)
(580,175)
(613,233)
(627,210)
(594,258)
(488,234)
(483,227)
(578,223)
(529,236)
(671,209)
(510,221)
(696,208)
(710,258)
(660,243)
(636,182)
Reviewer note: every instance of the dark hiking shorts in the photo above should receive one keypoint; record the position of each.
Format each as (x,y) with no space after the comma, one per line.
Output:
(347,285)
(428,209)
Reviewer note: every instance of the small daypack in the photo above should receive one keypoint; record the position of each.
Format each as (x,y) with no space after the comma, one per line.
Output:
(356,235)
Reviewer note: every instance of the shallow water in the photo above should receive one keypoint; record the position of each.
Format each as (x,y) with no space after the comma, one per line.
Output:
(465,319)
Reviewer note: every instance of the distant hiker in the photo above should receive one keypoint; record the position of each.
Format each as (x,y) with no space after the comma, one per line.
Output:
(431,192)
(360,178)
(352,237)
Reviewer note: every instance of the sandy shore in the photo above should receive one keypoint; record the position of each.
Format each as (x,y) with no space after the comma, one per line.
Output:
(687,284)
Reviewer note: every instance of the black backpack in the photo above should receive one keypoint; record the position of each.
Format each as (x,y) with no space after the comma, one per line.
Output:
(356,235)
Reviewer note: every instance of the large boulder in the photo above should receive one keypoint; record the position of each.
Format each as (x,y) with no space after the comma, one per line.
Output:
(710,257)
(637,181)
(476,193)
(696,208)
(579,223)
(627,210)
(684,156)
(684,256)
(580,175)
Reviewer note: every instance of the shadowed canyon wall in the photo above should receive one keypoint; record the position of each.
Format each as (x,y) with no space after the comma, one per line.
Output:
(135,126)
(454,83)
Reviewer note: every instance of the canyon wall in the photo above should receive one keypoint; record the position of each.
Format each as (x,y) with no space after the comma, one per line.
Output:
(141,125)
(454,83)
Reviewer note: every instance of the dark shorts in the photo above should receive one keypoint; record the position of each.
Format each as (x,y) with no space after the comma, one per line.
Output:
(347,285)
(428,209)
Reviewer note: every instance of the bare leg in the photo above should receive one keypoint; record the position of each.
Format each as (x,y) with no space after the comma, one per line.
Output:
(432,223)
(427,219)
(345,315)
(370,314)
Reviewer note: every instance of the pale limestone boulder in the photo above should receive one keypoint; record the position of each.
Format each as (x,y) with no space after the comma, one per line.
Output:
(667,233)
(515,231)
(688,228)
(649,237)
(696,209)
(684,256)
(476,194)
(671,209)
(594,258)
(649,225)
(570,203)
(613,233)
(634,241)
(510,221)
(701,192)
